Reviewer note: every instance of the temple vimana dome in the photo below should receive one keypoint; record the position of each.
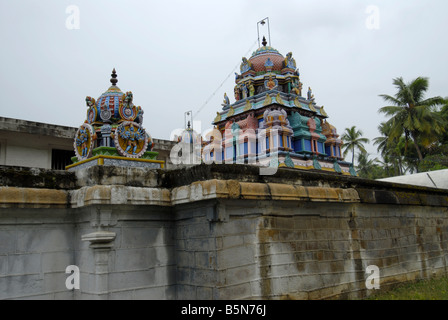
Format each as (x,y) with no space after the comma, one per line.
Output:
(273,114)
(113,133)
(272,122)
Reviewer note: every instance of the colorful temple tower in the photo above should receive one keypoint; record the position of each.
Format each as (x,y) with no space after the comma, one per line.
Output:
(271,115)
(113,133)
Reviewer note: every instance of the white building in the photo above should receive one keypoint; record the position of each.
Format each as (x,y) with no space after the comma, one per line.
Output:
(34,144)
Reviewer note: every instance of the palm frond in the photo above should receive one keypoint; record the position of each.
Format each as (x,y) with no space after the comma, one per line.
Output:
(391,99)
(432,102)
(403,94)
(418,88)
(391,110)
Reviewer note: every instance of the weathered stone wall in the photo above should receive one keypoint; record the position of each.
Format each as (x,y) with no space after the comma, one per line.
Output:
(137,264)
(304,254)
(306,242)
(35,248)
(213,232)
(37,244)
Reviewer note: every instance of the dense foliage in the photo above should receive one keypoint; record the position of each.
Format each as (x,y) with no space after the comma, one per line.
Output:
(413,139)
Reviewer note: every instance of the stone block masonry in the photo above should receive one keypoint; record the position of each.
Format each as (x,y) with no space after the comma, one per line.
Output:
(213,232)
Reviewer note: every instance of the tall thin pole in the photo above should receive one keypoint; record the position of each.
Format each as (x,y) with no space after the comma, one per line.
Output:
(262,22)
(189,134)
(269,32)
(188,119)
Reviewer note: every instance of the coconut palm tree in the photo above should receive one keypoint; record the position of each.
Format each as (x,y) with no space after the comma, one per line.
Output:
(365,164)
(383,142)
(392,151)
(412,115)
(444,116)
(353,140)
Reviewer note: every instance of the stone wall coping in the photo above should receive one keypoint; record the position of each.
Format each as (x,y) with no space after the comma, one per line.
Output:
(213,189)
(32,198)
(119,195)
(233,189)
(140,186)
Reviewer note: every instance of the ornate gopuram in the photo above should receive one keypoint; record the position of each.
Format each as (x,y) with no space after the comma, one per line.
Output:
(113,133)
(273,115)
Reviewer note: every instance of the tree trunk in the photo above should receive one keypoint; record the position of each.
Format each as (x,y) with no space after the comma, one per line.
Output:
(417,148)
(353,156)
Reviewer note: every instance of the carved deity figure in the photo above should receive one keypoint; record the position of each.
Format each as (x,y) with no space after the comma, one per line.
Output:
(296,87)
(127,110)
(140,114)
(269,63)
(132,137)
(127,100)
(245,91)
(245,65)
(81,141)
(236,76)
(236,92)
(310,94)
(271,83)
(226,100)
(251,89)
(90,102)
(289,61)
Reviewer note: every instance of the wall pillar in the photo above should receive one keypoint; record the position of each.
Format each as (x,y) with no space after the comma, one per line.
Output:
(101,242)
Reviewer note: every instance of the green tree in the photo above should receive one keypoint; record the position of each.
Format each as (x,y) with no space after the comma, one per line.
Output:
(369,168)
(443,114)
(412,115)
(388,150)
(393,151)
(353,140)
(437,156)
(364,164)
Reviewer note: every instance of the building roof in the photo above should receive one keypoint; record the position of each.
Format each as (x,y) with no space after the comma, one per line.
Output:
(434,179)
(36,128)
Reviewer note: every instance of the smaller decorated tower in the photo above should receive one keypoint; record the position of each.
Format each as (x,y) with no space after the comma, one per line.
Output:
(113,133)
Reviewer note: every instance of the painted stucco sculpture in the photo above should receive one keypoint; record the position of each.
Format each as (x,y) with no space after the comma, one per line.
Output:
(113,132)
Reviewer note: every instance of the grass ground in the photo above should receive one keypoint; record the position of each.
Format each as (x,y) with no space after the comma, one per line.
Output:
(431,289)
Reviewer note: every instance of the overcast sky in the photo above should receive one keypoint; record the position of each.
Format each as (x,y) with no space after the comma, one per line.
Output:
(174,55)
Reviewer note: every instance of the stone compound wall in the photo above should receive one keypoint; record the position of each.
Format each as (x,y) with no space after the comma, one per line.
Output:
(307,242)
(213,232)
(137,263)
